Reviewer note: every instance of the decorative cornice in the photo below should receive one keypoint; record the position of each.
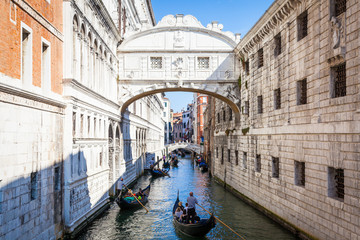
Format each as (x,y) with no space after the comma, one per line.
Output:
(87,90)
(273,17)
(10,94)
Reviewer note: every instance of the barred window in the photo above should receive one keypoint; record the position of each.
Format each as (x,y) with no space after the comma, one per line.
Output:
(156,62)
(275,167)
(218,117)
(57,182)
(277,99)
(340,7)
(302,25)
(338,84)
(222,155)
(277,49)
(247,108)
(336,187)
(247,68)
(299,173)
(34,185)
(301,89)
(236,157)
(260,58)
(258,163)
(260,104)
(229,160)
(74,123)
(224,115)
(245,160)
(203,62)
(230,114)
(217,152)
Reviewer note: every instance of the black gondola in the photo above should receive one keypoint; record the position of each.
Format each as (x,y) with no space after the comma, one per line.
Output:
(200,228)
(203,167)
(125,204)
(158,173)
(166,165)
(175,162)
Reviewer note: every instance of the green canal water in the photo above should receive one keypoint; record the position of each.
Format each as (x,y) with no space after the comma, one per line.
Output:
(157,224)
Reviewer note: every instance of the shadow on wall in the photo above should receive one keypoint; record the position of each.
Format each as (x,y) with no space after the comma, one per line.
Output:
(31,206)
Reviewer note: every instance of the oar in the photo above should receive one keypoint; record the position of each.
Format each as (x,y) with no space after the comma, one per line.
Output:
(164,173)
(137,200)
(222,222)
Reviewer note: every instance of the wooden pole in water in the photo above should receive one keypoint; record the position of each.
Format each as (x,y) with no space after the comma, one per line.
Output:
(222,222)
(137,200)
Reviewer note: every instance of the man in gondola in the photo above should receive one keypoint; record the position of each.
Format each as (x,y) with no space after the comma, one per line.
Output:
(191,209)
(119,186)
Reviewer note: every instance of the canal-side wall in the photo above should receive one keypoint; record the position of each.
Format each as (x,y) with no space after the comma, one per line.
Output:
(295,150)
(31,119)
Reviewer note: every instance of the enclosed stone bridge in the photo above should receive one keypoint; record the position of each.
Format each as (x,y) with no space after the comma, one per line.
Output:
(179,54)
(184,145)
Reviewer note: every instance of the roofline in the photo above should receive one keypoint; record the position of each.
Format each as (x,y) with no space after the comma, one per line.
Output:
(151,12)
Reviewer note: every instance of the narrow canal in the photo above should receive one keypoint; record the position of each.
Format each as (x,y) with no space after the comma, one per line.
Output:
(157,224)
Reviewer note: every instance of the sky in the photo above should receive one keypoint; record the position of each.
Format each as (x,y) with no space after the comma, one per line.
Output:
(237,16)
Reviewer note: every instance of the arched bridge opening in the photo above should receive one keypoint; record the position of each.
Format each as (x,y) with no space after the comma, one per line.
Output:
(154,89)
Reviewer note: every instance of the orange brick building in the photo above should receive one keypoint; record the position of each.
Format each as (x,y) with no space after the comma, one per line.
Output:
(31,39)
(201,103)
(31,119)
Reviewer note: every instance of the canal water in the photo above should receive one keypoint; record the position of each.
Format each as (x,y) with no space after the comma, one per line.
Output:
(157,224)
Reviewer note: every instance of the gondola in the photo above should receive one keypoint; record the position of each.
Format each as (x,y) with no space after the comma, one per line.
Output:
(166,164)
(125,204)
(198,229)
(203,167)
(175,162)
(157,173)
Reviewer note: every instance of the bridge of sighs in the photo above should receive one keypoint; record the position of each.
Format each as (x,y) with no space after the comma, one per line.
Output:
(180,54)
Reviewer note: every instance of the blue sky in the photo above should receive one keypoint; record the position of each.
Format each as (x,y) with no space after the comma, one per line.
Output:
(237,16)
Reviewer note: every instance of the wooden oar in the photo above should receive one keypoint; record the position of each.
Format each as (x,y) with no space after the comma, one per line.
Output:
(137,200)
(164,173)
(222,222)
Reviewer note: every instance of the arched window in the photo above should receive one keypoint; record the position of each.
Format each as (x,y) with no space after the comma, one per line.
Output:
(82,50)
(95,63)
(89,60)
(111,135)
(74,55)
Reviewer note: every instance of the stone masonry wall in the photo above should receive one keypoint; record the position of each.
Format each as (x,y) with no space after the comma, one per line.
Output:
(320,134)
(31,141)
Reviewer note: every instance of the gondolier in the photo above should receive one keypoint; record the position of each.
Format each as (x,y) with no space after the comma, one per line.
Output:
(120,184)
(191,209)
(196,229)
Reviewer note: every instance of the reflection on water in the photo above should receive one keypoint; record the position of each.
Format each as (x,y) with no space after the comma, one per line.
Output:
(157,224)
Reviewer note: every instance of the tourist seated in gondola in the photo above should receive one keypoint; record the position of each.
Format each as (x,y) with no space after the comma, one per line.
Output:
(140,194)
(179,210)
(183,217)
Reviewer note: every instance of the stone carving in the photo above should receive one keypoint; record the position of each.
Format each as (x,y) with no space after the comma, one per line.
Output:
(179,63)
(179,66)
(337,32)
(179,39)
(230,92)
(131,74)
(227,74)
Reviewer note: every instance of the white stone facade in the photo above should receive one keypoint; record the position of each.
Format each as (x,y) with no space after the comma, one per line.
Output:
(296,150)
(100,145)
